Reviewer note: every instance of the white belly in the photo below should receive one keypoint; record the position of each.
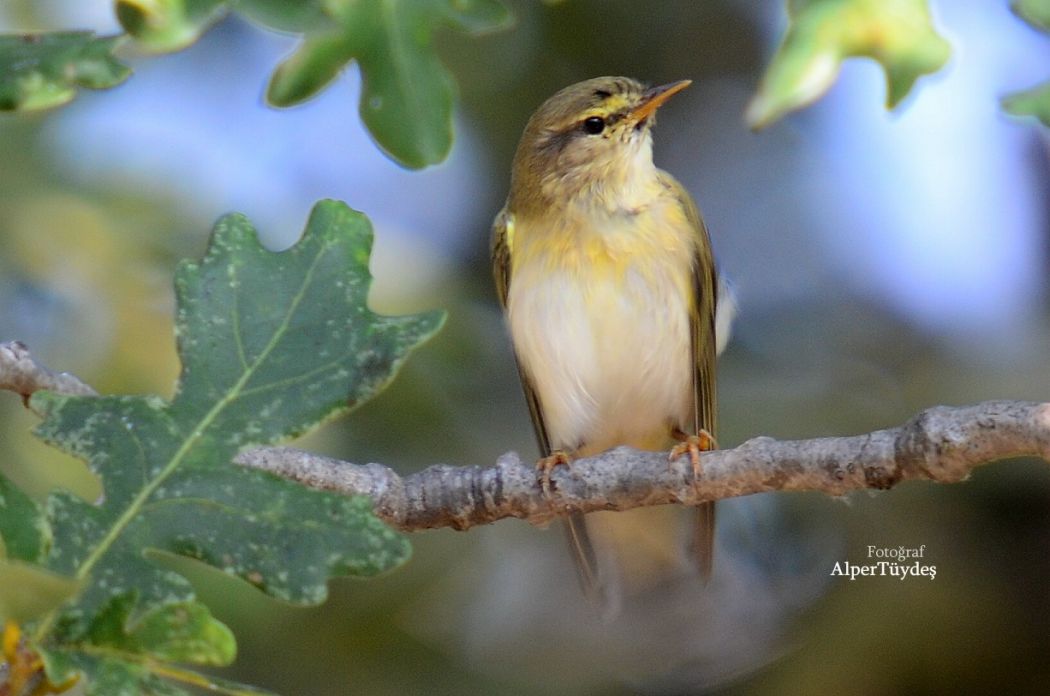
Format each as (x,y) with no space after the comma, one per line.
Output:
(609,355)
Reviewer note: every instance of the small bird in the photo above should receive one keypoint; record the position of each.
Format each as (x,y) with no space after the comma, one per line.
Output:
(605,273)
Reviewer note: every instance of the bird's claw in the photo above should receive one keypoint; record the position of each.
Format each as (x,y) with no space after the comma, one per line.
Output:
(694,445)
(546,465)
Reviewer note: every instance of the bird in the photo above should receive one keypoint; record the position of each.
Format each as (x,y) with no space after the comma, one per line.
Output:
(604,270)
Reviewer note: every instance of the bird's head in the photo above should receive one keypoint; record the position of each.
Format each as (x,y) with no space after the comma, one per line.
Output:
(591,138)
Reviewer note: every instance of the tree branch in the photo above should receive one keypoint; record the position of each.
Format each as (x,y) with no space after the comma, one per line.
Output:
(942,444)
(20,373)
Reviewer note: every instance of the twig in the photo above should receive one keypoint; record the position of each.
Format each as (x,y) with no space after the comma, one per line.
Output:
(942,444)
(20,373)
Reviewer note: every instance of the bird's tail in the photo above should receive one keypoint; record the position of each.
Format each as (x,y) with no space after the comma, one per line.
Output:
(594,583)
(704,539)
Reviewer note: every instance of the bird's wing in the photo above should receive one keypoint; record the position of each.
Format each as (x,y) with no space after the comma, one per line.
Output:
(704,350)
(575,525)
(502,238)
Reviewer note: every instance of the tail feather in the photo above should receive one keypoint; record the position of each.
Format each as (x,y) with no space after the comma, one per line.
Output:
(592,581)
(704,539)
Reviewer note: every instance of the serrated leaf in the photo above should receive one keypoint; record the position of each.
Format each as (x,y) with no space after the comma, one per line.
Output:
(271,344)
(39,71)
(1032,102)
(898,34)
(1035,12)
(168,25)
(24,532)
(406,98)
(178,632)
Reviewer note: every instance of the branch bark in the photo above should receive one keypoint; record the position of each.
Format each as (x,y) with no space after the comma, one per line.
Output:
(942,444)
(22,374)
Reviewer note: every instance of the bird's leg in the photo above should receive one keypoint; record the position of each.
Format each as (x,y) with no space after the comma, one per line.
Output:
(703,441)
(546,465)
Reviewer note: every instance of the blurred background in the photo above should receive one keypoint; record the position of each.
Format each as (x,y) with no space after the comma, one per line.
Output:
(882,262)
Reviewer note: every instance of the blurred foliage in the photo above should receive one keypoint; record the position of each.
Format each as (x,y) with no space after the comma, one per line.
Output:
(1035,12)
(1034,101)
(407,97)
(1031,102)
(39,71)
(899,34)
(311,349)
(169,25)
(407,100)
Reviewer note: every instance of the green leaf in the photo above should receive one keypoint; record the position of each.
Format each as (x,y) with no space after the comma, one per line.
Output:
(26,590)
(1032,102)
(407,93)
(287,15)
(899,34)
(1035,12)
(318,61)
(181,632)
(406,98)
(176,632)
(39,71)
(168,25)
(271,344)
(24,532)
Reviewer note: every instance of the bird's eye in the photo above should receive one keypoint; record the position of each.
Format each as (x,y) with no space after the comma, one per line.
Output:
(593,125)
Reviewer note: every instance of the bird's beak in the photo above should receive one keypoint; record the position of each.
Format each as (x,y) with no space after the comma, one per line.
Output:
(654,97)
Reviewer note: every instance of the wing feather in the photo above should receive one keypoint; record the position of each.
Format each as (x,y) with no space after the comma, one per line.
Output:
(502,237)
(704,351)
(580,543)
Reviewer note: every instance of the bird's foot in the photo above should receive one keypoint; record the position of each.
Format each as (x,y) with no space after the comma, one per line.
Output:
(546,465)
(694,445)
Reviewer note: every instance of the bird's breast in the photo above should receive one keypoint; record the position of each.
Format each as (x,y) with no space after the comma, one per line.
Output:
(599,317)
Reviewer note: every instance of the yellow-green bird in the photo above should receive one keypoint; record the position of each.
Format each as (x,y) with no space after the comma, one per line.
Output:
(605,273)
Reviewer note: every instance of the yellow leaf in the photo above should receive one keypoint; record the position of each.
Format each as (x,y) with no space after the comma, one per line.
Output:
(27,591)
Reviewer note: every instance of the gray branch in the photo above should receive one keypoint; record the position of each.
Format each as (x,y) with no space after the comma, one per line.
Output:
(20,373)
(942,444)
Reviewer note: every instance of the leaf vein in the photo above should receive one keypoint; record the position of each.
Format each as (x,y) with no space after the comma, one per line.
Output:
(135,505)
